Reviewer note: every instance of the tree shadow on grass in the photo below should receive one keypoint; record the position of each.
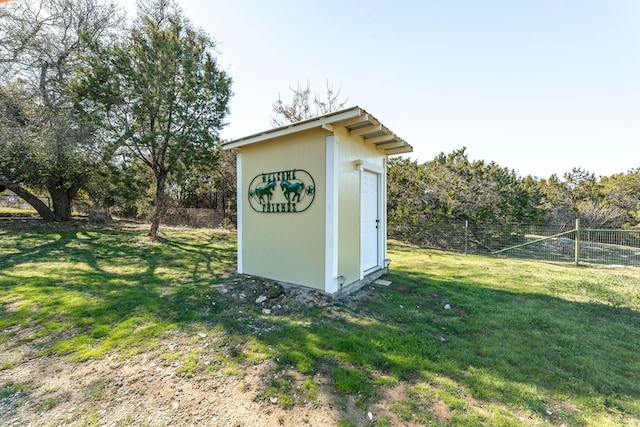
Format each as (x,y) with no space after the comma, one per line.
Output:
(219,253)
(105,288)
(518,351)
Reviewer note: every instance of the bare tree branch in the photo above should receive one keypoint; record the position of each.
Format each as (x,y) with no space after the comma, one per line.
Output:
(302,107)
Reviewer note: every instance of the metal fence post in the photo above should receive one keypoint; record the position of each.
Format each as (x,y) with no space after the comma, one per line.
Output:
(466,236)
(577,242)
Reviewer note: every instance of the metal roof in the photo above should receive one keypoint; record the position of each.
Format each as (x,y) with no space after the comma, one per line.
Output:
(355,120)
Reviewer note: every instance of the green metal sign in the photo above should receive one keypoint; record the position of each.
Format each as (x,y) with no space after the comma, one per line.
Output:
(288,191)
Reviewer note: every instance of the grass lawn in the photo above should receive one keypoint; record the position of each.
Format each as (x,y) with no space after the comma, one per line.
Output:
(455,340)
(16,212)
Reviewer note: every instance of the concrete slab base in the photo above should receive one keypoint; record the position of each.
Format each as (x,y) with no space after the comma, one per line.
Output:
(356,286)
(372,277)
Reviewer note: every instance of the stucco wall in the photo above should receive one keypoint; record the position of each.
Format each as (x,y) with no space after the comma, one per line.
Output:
(286,246)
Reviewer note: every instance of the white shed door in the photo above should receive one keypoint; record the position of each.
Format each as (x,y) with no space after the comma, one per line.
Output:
(370,221)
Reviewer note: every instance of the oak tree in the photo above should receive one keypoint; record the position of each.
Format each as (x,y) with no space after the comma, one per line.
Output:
(44,146)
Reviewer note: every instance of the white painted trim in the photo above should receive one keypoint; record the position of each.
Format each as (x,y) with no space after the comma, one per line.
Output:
(383,212)
(316,122)
(331,216)
(360,220)
(239,203)
(372,167)
(382,232)
(381,217)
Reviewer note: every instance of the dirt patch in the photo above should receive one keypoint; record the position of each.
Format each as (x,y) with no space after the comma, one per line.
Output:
(441,411)
(154,389)
(141,391)
(148,390)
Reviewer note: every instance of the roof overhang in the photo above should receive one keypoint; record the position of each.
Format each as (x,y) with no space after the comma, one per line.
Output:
(355,120)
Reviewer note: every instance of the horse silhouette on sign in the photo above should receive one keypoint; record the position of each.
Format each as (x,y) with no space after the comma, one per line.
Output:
(289,188)
(265,190)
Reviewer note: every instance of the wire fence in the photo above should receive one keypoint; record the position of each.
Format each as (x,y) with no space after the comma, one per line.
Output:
(190,217)
(175,216)
(13,201)
(565,243)
(610,247)
(559,243)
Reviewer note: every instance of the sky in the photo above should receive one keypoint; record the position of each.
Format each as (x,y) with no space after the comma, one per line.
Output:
(537,86)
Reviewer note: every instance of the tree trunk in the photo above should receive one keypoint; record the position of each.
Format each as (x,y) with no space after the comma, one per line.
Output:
(30,198)
(62,201)
(156,217)
(61,204)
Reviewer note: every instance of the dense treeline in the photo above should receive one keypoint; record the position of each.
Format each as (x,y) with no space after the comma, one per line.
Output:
(453,189)
(92,106)
(125,117)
